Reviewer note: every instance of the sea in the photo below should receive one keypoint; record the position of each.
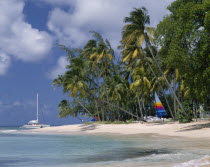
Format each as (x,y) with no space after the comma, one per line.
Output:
(20,148)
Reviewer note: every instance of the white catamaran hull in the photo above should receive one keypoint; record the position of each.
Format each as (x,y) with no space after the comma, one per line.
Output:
(34,126)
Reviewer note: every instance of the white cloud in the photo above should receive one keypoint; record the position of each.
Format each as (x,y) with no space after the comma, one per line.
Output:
(59,69)
(71,26)
(18,38)
(4,63)
(62,27)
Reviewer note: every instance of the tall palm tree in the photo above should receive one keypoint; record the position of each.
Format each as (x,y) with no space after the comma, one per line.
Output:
(75,79)
(98,50)
(141,85)
(131,53)
(137,32)
(101,54)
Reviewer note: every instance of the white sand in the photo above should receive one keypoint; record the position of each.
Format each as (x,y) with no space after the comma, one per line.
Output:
(199,129)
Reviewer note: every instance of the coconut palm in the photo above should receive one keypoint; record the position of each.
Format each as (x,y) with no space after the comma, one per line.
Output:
(141,85)
(137,32)
(99,51)
(65,110)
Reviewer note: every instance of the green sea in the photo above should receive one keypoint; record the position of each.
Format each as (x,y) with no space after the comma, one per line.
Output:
(18,149)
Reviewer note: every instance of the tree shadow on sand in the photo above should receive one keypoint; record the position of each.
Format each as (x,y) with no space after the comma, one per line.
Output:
(195,127)
(86,127)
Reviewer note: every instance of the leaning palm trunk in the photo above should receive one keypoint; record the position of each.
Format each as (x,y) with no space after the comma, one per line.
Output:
(122,109)
(149,46)
(172,115)
(80,119)
(160,87)
(103,101)
(83,106)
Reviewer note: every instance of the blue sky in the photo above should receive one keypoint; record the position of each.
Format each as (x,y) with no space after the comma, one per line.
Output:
(29,59)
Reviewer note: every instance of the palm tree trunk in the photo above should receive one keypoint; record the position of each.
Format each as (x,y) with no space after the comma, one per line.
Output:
(196,118)
(143,105)
(80,119)
(149,46)
(140,108)
(83,106)
(172,115)
(118,112)
(102,112)
(161,88)
(195,110)
(97,110)
(174,86)
(103,101)
(136,110)
(121,109)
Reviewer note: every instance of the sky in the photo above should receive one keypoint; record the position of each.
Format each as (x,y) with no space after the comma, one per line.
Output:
(30,59)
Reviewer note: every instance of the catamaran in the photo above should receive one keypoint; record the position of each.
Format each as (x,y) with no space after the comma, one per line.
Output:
(160,111)
(34,124)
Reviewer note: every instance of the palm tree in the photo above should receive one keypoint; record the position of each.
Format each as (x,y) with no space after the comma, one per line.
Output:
(75,80)
(137,32)
(65,110)
(98,50)
(131,53)
(100,53)
(141,85)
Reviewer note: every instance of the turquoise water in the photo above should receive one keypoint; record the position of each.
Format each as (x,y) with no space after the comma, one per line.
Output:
(35,150)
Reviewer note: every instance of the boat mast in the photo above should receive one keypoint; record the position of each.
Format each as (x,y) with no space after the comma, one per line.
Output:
(37,108)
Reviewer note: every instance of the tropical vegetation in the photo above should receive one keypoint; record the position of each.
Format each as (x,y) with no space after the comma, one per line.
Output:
(172,60)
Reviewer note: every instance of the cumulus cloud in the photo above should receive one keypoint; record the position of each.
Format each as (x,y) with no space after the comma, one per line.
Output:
(59,69)
(71,26)
(18,38)
(4,63)
(63,29)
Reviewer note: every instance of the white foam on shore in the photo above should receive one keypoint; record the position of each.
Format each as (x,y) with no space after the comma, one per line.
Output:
(8,131)
(196,163)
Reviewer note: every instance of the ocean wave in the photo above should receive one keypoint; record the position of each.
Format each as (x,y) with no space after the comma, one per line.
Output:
(8,131)
(196,163)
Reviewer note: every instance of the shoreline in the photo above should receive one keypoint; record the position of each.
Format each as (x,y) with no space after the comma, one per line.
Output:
(200,129)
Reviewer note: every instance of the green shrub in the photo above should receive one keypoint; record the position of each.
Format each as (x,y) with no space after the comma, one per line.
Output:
(185,117)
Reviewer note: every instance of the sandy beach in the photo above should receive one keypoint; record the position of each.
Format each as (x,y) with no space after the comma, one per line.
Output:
(200,129)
